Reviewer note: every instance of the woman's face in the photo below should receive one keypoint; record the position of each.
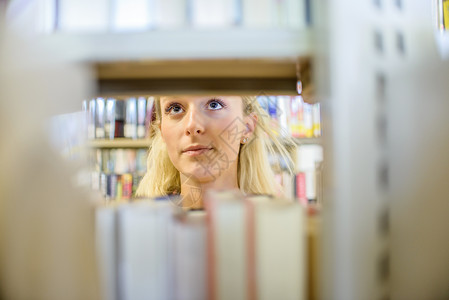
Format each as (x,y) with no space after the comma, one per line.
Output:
(203,134)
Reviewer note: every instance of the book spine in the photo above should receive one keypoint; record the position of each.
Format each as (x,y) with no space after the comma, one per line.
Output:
(119,119)
(210,234)
(127,186)
(109,125)
(141,112)
(308,120)
(301,188)
(131,118)
(91,120)
(316,113)
(251,250)
(149,116)
(100,116)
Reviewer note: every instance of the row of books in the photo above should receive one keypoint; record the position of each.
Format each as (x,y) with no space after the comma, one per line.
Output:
(119,160)
(238,248)
(291,116)
(111,118)
(116,173)
(140,15)
(130,118)
(305,185)
(116,187)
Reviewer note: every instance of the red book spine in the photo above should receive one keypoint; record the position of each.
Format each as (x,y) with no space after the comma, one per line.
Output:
(301,188)
(210,243)
(251,250)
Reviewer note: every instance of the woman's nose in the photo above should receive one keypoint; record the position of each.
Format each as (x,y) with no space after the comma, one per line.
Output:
(195,123)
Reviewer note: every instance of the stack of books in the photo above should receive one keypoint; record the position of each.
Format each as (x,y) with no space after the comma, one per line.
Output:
(111,118)
(239,247)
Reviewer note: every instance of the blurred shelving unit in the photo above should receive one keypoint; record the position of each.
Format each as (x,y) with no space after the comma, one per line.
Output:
(119,143)
(145,143)
(193,61)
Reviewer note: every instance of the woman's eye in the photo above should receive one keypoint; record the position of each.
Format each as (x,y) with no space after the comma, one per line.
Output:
(173,109)
(215,105)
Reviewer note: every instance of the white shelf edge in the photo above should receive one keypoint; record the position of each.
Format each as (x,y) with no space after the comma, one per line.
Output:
(182,44)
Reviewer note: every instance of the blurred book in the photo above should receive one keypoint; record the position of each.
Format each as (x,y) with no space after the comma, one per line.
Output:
(145,245)
(109,125)
(119,119)
(238,248)
(258,13)
(190,265)
(276,247)
(132,15)
(171,14)
(91,119)
(227,246)
(214,13)
(100,118)
(130,128)
(141,114)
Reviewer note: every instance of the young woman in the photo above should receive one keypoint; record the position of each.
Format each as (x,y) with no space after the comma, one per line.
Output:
(204,142)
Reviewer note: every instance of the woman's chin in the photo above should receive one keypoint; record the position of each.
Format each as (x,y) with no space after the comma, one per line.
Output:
(199,174)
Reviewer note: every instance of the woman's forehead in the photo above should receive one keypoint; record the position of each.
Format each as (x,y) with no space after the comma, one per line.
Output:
(198,98)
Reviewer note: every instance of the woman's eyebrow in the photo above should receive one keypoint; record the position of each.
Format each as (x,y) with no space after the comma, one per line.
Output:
(170,99)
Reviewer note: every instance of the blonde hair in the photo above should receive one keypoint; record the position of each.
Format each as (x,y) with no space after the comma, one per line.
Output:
(254,174)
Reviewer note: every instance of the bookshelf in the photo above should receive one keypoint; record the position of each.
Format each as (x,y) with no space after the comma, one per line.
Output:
(119,143)
(193,61)
(229,43)
(145,143)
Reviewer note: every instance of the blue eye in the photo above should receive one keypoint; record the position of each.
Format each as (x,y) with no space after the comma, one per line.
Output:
(173,109)
(215,104)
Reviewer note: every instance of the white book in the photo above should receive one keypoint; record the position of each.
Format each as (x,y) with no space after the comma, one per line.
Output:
(91,119)
(132,15)
(316,115)
(279,13)
(307,157)
(130,128)
(106,250)
(279,249)
(283,113)
(170,13)
(190,257)
(258,13)
(141,113)
(145,250)
(287,181)
(84,15)
(228,272)
(296,14)
(100,118)
(213,13)
(109,125)
(308,120)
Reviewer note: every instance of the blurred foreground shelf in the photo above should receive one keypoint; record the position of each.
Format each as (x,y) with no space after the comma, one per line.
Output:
(177,62)
(119,143)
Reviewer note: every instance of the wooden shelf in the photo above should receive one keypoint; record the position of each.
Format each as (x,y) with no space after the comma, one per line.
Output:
(119,143)
(219,76)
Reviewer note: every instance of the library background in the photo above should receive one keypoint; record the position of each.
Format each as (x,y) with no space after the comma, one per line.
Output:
(356,93)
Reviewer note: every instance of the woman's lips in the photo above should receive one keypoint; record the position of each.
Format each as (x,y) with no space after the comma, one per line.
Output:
(196,152)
